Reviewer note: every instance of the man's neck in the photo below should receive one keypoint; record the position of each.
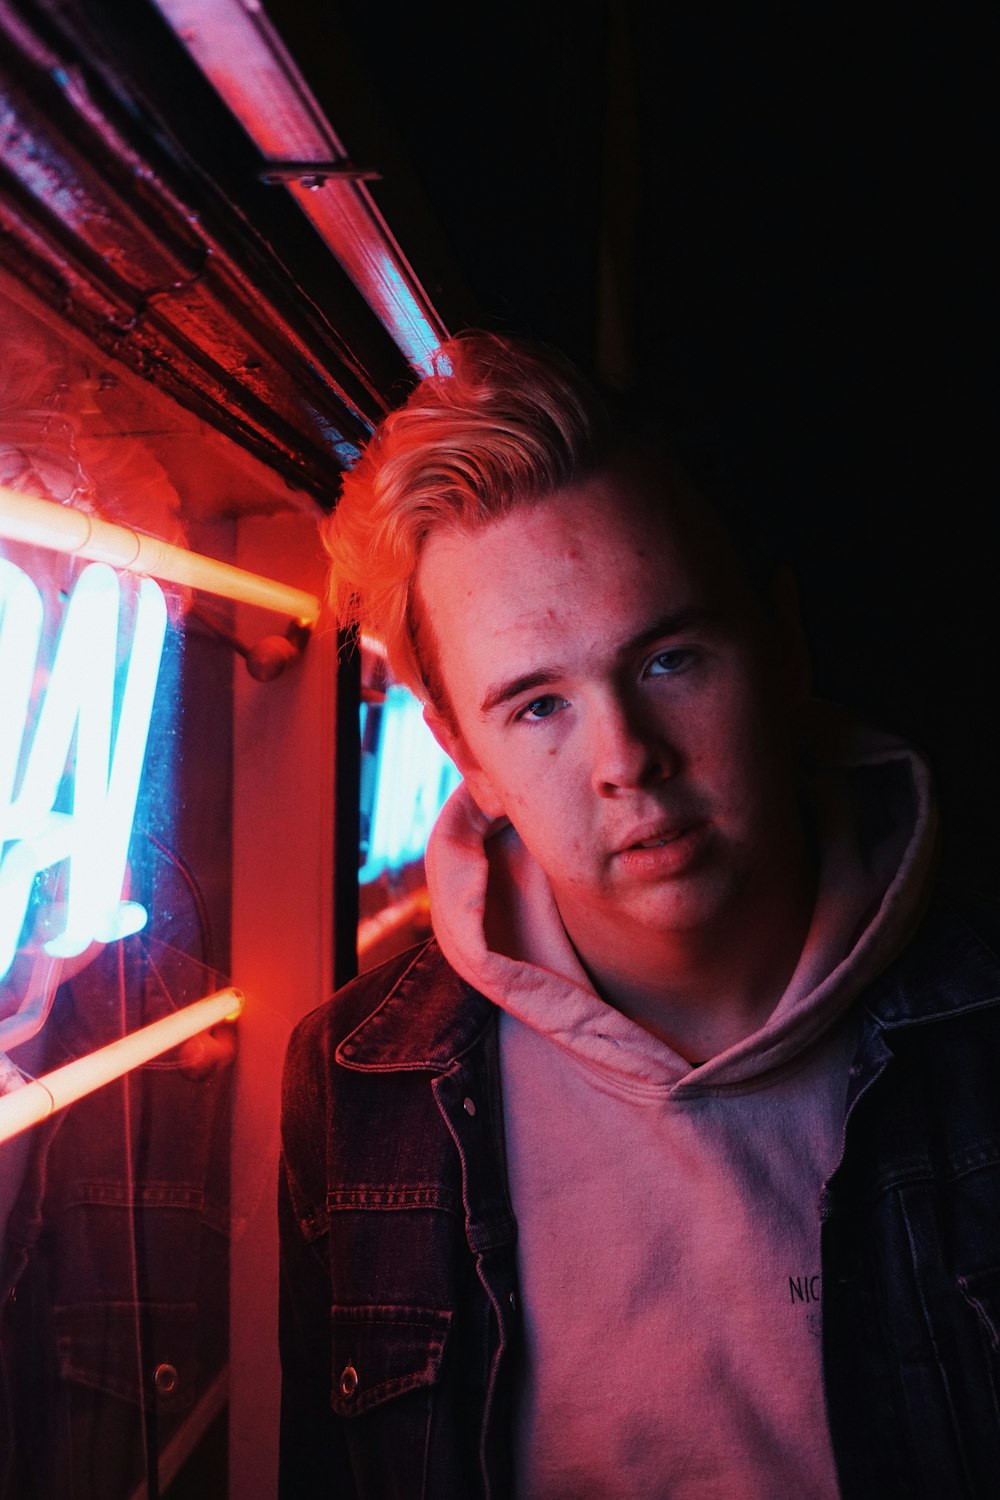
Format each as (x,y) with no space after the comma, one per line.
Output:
(701,992)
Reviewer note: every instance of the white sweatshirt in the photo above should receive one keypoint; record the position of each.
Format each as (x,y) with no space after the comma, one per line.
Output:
(668,1240)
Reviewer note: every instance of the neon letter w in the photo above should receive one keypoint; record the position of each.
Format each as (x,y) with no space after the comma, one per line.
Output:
(92,837)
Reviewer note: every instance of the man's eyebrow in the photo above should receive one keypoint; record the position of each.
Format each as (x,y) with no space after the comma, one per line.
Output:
(692,617)
(502,692)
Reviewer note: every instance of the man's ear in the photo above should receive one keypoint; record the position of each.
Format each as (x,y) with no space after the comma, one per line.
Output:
(453,743)
(793,650)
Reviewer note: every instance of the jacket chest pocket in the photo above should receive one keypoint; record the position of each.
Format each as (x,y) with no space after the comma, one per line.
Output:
(386,1363)
(945,1294)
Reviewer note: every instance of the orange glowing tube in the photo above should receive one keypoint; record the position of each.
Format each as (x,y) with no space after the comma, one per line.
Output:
(35,1101)
(42,523)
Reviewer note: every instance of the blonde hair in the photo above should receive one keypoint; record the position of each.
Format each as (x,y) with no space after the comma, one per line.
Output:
(499,424)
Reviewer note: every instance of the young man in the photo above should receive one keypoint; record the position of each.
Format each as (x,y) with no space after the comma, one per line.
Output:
(671,1167)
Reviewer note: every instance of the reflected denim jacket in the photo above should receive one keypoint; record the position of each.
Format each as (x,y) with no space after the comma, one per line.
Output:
(399,1320)
(114,1279)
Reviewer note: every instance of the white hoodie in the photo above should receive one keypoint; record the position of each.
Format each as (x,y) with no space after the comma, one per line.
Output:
(668,1242)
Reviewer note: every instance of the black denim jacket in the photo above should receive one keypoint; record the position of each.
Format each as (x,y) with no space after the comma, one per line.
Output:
(399,1320)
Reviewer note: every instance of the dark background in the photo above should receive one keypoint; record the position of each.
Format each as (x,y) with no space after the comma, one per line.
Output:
(781,217)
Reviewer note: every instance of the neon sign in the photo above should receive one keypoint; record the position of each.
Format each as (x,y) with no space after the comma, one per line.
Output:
(68,789)
(412,779)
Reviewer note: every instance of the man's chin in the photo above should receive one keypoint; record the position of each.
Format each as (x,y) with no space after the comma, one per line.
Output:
(686,909)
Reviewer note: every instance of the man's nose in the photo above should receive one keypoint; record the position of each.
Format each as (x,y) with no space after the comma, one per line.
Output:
(628,750)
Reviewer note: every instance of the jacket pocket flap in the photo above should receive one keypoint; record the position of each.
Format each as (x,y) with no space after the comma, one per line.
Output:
(381,1352)
(99,1346)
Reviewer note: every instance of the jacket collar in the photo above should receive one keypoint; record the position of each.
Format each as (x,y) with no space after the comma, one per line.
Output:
(429,1019)
(949,966)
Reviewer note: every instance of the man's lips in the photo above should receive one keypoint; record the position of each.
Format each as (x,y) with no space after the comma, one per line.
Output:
(662,850)
(655,835)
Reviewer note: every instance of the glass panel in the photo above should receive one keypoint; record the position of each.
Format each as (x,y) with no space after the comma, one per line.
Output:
(115,813)
(405,780)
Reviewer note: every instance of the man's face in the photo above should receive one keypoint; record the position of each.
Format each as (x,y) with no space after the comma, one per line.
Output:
(618,695)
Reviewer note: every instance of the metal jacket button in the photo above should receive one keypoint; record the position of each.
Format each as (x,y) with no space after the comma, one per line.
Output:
(469,1105)
(348,1382)
(165,1379)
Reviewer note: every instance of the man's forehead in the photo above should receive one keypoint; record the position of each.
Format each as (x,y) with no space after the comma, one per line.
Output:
(622,546)
(636,501)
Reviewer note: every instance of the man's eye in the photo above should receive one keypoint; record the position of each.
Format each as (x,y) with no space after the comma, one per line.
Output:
(669,663)
(541,708)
